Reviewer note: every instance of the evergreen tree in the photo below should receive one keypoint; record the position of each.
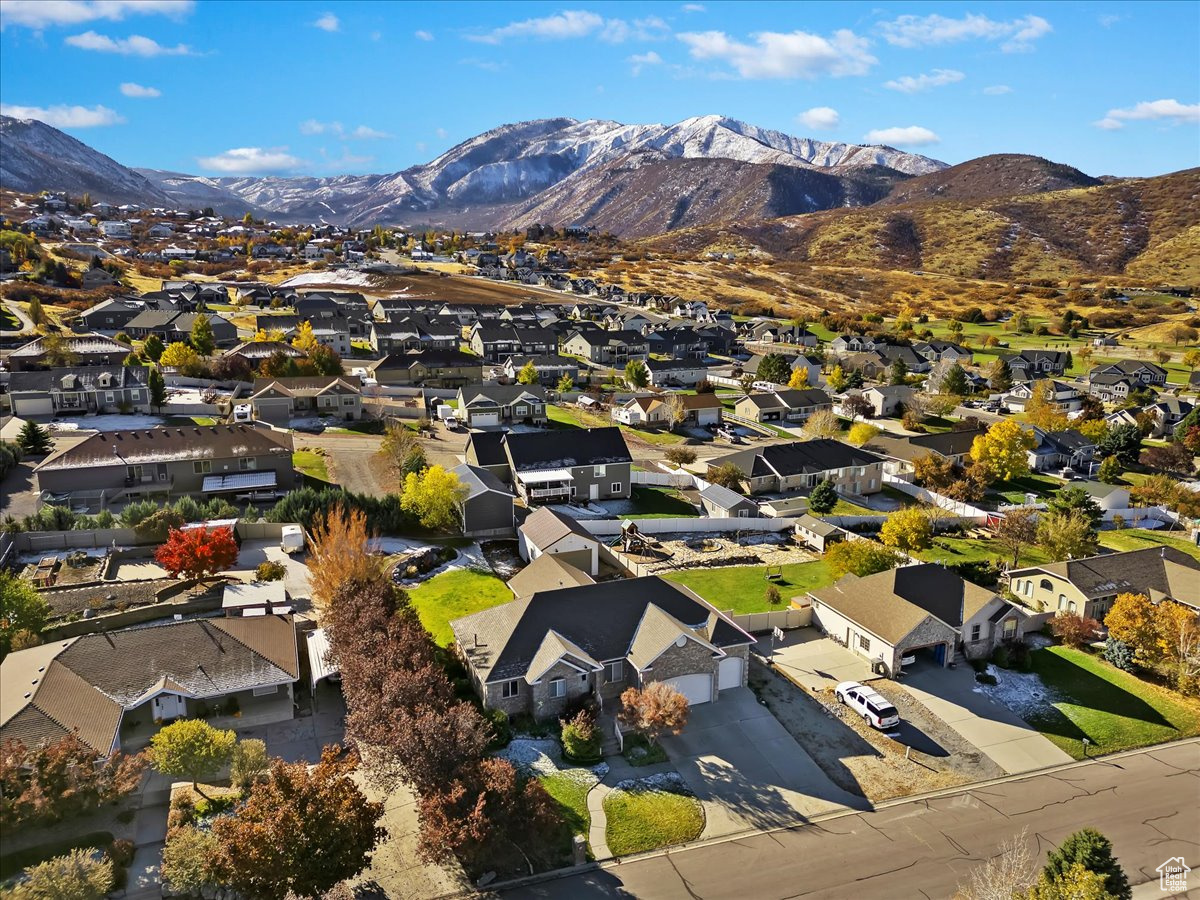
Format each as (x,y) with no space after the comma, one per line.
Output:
(774,368)
(955,381)
(158,389)
(33,439)
(823,498)
(203,338)
(899,372)
(1092,850)
(153,348)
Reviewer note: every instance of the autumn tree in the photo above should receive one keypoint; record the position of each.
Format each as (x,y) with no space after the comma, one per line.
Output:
(203,340)
(1002,451)
(249,763)
(565,384)
(152,348)
(339,553)
(837,378)
(22,609)
(999,376)
(907,530)
(192,749)
(861,433)
(861,558)
(304,339)
(653,710)
(934,471)
(57,352)
(1004,876)
(1074,883)
(680,456)
(1064,535)
(76,875)
(402,449)
(824,423)
(197,552)
(528,373)
(299,832)
(1041,410)
(182,357)
(798,380)
(636,374)
(676,411)
(823,498)
(727,475)
(1092,851)
(1074,630)
(433,496)
(1016,531)
(1169,458)
(64,779)
(857,405)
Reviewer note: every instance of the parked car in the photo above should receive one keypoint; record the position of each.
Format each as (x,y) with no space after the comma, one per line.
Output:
(729,434)
(876,710)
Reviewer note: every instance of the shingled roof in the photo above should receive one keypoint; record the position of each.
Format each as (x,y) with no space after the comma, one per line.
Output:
(563,449)
(171,444)
(1158,572)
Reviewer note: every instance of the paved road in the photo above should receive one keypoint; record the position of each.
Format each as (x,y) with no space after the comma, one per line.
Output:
(1146,802)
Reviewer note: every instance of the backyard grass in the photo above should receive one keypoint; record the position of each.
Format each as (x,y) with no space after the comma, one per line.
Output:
(311,464)
(455,594)
(571,796)
(1014,491)
(1139,539)
(956,550)
(743,588)
(1113,709)
(846,508)
(642,820)
(654,503)
(8,322)
(568,417)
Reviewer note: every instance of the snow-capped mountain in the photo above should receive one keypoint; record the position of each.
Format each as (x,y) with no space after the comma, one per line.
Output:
(499,177)
(35,156)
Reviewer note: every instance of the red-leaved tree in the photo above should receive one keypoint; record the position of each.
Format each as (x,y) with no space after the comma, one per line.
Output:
(1073,629)
(654,709)
(197,552)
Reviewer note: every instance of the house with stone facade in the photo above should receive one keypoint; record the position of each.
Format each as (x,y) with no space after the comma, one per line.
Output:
(802,465)
(544,652)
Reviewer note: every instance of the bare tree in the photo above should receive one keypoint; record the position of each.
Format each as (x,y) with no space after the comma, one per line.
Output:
(1012,870)
(1016,531)
(822,424)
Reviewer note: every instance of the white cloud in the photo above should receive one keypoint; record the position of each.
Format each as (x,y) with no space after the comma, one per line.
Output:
(366,133)
(43,13)
(640,60)
(312,126)
(1151,110)
(423,35)
(914,84)
(1108,20)
(910,136)
(328,22)
(576,23)
(820,117)
(421,146)
(251,161)
(63,116)
(1018,35)
(134,45)
(995,90)
(692,7)
(141,92)
(797,54)
(442,133)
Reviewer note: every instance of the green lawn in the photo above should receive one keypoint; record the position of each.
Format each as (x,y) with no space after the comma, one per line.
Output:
(1113,709)
(8,322)
(660,503)
(1139,539)
(743,588)
(570,417)
(846,508)
(1014,491)
(311,464)
(571,796)
(454,594)
(955,550)
(643,820)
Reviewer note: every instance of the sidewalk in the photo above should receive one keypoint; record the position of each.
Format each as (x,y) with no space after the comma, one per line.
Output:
(619,770)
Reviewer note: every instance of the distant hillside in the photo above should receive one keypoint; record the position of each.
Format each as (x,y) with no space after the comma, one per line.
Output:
(1149,228)
(999,175)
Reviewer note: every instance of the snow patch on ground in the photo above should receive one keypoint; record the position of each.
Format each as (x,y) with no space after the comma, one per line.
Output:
(105,423)
(543,756)
(662,781)
(334,276)
(1022,692)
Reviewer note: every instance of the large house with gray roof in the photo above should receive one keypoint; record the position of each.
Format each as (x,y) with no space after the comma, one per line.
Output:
(80,391)
(802,465)
(569,465)
(541,653)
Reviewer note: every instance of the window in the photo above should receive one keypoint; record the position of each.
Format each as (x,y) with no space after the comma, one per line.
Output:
(583,677)
(558,688)
(202,466)
(247,462)
(135,395)
(614,671)
(1062,601)
(975,632)
(1045,585)
(616,487)
(743,513)
(520,410)
(598,472)
(1010,629)
(133,473)
(266,691)
(1071,606)
(510,689)
(864,643)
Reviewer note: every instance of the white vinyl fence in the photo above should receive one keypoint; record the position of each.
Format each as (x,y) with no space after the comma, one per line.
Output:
(664,479)
(966,510)
(609,527)
(776,618)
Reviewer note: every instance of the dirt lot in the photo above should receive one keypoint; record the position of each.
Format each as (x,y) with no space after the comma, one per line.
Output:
(670,552)
(862,760)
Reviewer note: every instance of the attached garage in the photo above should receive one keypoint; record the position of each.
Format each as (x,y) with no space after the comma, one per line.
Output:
(33,406)
(484,420)
(696,688)
(729,673)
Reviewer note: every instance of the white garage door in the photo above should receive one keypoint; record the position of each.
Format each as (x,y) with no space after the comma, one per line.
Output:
(697,688)
(729,673)
(35,406)
(483,419)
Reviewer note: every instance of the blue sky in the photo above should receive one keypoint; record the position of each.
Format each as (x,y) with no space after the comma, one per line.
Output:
(219,88)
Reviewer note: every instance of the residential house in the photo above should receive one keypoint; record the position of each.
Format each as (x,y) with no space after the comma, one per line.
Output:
(110,316)
(924,612)
(485,450)
(486,507)
(935,382)
(770,331)
(548,531)
(548,572)
(84,390)
(1067,449)
(1107,496)
(201,460)
(171,326)
(496,343)
(333,333)
(550,369)
(112,690)
(540,654)
(83,349)
(92,279)
(492,405)
(1167,413)
(610,348)
(1089,586)
(720,502)
(649,410)
(887,400)
(793,407)
(680,343)
(115,229)
(1146,373)
(1110,388)
(817,533)
(904,450)
(1030,365)
(702,410)
(279,400)
(401,333)
(810,365)
(676,372)
(801,465)
(943,351)
(255,353)
(856,343)
(429,368)
(1062,396)
(571,464)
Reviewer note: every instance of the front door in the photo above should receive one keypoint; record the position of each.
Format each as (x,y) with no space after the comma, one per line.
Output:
(168,706)
(594,492)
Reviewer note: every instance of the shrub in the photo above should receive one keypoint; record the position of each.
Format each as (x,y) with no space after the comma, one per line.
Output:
(581,738)
(249,763)
(1074,630)
(78,875)
(773,596)
(986,678)
(121,852)
(1120,654)
(1002,657)
(979,664)
(188,859)
(270,571)
(502,732)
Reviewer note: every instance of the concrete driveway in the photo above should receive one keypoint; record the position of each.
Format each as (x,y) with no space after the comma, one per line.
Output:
(747,770)
(814,660)
(997,731)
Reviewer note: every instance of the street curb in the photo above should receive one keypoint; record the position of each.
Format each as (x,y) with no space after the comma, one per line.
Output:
(615,862)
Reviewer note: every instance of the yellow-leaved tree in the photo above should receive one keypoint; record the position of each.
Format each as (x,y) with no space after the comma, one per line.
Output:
(433,495)
(1002,451)
(799,379)
(305,339)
